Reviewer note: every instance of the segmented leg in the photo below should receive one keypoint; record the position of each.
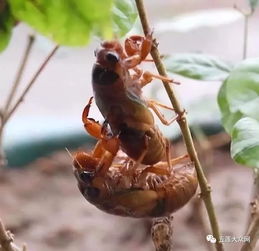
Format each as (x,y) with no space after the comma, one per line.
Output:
(147,77)
(105,150)
(132,61)
(148,60)
(160,104)
(161,167)
(138,45)
(137,49)
(152,105)
(98,131)
(130,167)
(138,73)
(90,125)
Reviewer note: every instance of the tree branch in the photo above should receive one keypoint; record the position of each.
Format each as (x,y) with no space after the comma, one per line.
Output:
(182,121)
(253,228)
(6,240)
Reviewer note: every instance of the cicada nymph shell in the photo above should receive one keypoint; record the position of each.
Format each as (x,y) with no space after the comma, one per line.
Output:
(140,194)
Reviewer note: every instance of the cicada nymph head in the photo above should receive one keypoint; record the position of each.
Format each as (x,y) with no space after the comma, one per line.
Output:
(109,54)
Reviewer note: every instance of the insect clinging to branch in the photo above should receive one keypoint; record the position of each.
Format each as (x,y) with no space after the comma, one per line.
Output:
(118,95)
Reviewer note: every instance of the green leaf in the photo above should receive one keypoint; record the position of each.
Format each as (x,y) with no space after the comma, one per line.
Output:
(68,22)
(228,118)
(238,99)
(242,88)
(6,24)
(245,142)
(198,66)
(124,15)
(253,4)
(239,95)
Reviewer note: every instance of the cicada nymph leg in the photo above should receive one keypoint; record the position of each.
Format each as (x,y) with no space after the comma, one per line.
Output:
(101,158)
(138,73)
(137,49)
(152,104)
(147,77)
(153,194)
(160,168)
(131,168)
(179,187)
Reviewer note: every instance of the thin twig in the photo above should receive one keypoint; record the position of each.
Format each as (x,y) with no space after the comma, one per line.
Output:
(6,240)
(31,39)
(253,229)
(253,223)
(205,149)
(4,111)
(2,153)
(246,16)
(254,194)
(30,84)
(5,115)
(205,188)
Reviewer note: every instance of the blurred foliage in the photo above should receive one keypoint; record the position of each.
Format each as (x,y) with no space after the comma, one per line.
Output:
(71,22)
(198,66)
(66,22)
(238,100)
(124,16)
(253,4)
(245,142)
(238,97)
(6,24)
(228,118)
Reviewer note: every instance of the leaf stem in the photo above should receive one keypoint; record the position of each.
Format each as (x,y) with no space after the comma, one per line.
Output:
(182,121)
